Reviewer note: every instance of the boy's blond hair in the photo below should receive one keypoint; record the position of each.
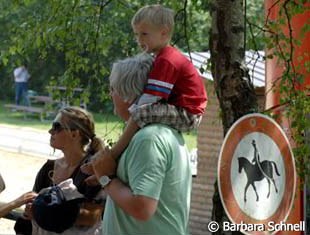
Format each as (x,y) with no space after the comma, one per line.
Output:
(156,15)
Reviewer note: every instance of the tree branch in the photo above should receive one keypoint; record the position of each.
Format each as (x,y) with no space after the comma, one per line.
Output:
(290,61)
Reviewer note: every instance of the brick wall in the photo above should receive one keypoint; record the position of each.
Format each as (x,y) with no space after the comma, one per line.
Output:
(210,138)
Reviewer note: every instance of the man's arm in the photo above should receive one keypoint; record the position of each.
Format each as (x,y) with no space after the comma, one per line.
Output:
(139,207)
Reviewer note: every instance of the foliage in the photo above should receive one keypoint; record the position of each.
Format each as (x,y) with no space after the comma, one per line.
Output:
(73,43)
(282,45)
(254,11)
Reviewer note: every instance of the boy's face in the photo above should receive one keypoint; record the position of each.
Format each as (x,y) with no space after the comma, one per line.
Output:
(150,38)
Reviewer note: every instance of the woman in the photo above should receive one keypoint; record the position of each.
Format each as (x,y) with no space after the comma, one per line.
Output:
(73,133)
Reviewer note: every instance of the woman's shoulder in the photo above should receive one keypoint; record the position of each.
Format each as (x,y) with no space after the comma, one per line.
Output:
(49,164)
(44,176)
(46,171)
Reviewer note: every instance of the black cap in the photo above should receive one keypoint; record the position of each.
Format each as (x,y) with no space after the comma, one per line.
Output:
(53,212)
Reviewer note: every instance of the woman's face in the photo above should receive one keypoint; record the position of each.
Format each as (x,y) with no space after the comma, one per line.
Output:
(120,106)
(59,133)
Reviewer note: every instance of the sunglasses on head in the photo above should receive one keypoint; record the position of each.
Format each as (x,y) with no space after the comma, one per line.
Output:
(58,127)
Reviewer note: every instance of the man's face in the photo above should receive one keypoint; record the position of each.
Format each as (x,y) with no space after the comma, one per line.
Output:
(120,106)
(151,39)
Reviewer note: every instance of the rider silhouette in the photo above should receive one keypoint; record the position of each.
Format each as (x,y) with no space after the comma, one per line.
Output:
(256,159)
(257,171)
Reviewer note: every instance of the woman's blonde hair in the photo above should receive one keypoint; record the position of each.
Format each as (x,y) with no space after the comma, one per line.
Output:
(156,15)
(80,119)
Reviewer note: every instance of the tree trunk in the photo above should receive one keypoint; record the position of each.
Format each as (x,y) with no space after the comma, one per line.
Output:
(232,82)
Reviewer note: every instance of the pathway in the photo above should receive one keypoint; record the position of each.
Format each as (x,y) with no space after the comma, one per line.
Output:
(26,140)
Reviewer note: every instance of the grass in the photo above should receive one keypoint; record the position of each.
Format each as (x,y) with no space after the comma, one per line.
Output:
(108,126)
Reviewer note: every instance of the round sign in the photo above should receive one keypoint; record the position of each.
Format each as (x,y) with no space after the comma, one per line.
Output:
(256,172)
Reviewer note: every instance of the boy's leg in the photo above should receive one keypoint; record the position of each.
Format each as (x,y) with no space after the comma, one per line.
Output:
(170,115)
(164,113)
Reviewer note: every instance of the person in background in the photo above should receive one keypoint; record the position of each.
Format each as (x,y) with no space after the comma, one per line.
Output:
(174,93)
(149,192)
(18,202)
(72,132)
(21,78)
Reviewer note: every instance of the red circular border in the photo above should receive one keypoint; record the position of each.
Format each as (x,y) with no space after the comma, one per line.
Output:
(241,128)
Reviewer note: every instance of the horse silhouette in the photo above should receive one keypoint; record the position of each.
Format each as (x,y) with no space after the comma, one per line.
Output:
(257,172)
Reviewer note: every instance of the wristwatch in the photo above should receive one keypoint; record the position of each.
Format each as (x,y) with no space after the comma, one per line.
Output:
(105,180)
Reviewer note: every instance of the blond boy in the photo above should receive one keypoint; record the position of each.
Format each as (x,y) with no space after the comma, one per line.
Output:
(174,93)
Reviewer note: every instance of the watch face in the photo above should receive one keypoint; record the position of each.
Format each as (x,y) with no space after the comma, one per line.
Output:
(104,180)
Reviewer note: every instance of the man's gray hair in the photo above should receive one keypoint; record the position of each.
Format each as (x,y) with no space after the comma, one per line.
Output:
(129,76)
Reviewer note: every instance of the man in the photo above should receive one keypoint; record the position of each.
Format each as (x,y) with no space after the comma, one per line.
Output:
(149,193)
(21,77)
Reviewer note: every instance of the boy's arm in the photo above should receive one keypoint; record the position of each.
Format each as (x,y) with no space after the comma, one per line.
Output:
(148,99)
(123,141)
(131,127)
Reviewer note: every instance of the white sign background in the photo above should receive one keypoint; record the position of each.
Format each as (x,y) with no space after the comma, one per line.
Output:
(267,150)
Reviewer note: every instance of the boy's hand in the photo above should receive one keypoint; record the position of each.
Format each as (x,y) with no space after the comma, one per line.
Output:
(87,168)
(104,163)
(92,180)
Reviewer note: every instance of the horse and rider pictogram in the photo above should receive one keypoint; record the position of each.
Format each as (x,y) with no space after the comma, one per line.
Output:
(256,152)
(257,171)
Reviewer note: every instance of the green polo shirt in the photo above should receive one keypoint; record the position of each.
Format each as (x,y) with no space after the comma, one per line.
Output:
(156,164)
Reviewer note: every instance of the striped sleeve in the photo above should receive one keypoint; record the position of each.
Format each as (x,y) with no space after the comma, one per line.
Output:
(158,88)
